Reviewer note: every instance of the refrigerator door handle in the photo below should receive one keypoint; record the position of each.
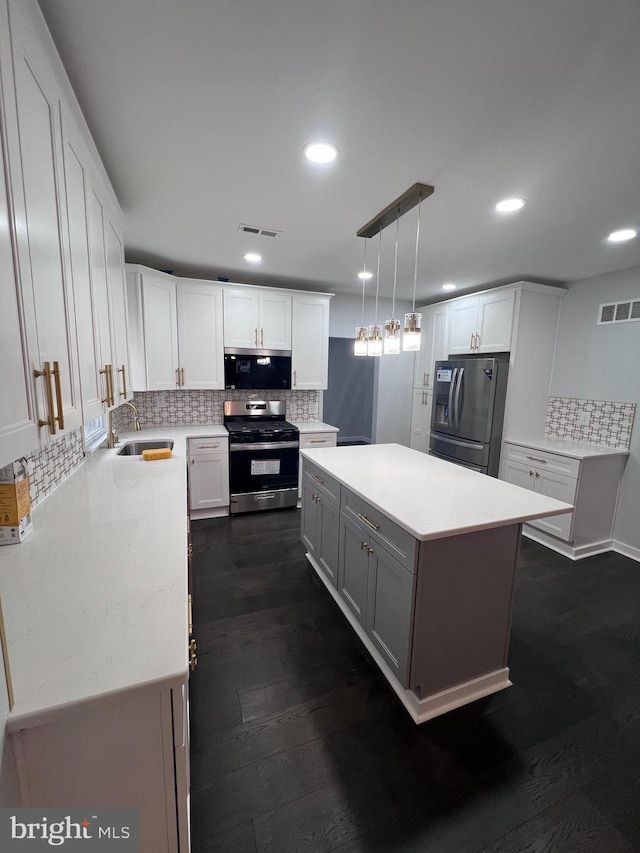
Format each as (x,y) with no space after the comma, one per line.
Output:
(451,389)
(457,398)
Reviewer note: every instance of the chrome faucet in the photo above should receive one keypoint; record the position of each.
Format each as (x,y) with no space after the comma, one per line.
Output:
(112,437)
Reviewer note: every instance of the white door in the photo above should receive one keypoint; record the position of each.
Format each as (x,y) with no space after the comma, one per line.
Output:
(160,333)
(241,324)
(310,343)
(275,320)
(200,330)
(495,321)
(462,320)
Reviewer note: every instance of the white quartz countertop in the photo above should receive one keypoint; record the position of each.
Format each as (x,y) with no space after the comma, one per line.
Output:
(95,599)
(566,447)
(428,497)
(314,426)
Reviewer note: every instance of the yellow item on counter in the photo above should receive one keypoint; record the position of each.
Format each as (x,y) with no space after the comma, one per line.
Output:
(157,453)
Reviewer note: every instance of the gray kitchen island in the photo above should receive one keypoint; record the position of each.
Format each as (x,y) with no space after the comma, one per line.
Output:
(420,556)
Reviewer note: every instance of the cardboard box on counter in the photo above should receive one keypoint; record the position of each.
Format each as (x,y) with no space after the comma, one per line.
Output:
(15,503)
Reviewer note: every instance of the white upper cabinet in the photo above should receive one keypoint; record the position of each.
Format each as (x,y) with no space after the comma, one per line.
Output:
(33,138)
(176,331)
(433,346)
(119,321)
(200,335)
(257,318)
(481,324)
(310,342)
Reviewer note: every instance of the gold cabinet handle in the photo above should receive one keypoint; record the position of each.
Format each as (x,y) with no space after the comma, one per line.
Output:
(262,337)
(190,612)
(317,479)
(178,376)
(369,522)
(50,420)
(182,377)
(537,459)
(255,332)
(478,341)
(112,399)
(369,551)
(59,406)
(123,393)
(318,441)
(193,658)
(105,372)
(295,378)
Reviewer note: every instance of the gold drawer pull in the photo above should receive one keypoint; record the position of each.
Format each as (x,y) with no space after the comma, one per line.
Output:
(318,441)
(317,479)
(370,523)
(537,459)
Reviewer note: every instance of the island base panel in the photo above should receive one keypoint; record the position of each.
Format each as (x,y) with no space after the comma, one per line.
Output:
(464,600)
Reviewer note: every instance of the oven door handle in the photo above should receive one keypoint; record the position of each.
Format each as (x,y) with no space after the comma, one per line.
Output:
(265,445)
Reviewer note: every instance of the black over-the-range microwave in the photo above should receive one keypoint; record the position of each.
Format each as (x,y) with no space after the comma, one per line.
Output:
(251,368)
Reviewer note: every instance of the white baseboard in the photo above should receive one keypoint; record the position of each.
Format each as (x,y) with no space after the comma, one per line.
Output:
(626,550)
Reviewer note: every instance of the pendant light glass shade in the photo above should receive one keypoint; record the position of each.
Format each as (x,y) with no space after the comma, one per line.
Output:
(374,344)
(360,346)
(391,337)
(412,332)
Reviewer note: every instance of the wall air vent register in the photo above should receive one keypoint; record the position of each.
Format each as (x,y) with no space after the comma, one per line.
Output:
(618,312)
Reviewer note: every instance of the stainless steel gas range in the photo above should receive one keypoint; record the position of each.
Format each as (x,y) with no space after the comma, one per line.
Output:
(263,456)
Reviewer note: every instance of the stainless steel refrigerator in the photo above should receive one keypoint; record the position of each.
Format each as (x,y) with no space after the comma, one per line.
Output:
(468,411)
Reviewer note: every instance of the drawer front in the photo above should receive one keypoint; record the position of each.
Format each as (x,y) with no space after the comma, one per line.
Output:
(317,439)
(322,482)
(207,446)
(397,541)
(543,459)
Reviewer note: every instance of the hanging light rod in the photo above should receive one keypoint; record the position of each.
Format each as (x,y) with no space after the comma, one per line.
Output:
(397,208)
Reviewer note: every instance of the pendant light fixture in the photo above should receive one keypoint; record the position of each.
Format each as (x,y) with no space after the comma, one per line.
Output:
(392,327)
(412,320)
(374,343)
(360,344)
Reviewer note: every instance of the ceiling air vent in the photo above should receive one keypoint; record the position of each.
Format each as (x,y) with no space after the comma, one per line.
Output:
(619,312)
(263,232)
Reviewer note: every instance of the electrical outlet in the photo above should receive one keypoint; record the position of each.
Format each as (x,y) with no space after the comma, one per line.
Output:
(584,419)
(159,401)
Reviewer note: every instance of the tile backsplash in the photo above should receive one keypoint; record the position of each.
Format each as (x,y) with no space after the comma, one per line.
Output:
(177,408)
(50,467)
(593,421)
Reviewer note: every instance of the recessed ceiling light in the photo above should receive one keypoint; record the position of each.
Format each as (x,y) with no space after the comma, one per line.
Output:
(320,152)
(365,275)
(253,257)
(508,205)
(449,286)
(622,235)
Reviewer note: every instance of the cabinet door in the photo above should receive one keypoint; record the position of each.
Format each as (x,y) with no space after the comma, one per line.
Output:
(421,419)
(562,489)
(310,343)
(309,521)
(354,567)
(433,346)
(274,311)
(495,322)
(208,481)
(518,474)
(35,162)
(160,333)
(241,324)
(99,286)
(119,326)
(390,610)
(18,421)
(200,332)
(329,536)
(462,321)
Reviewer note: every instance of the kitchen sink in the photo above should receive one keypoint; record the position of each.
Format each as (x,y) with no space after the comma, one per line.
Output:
(135,448)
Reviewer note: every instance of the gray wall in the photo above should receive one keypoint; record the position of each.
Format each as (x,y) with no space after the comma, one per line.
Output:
(603,363)
(348,401)
(393,378)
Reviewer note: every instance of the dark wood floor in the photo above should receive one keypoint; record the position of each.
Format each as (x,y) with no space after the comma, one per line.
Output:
(299,744)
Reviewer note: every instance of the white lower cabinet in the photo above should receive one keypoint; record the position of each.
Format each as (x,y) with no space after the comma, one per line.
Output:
(314,439)
(127,749)
(590,483)
(208,476)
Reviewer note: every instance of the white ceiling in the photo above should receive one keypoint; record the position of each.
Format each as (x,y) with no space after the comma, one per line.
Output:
(200,110)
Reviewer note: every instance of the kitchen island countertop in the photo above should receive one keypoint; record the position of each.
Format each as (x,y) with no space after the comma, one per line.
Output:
(428,497)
